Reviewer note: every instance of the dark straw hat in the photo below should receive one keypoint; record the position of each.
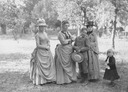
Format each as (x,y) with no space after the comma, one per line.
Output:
(90,24)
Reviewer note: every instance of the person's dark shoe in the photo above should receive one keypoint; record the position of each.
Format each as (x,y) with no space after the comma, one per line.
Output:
(54,82)
(81,80)
(93,80)
(79,76)
(112,84)
(41,84)
(86,82)
(74,81)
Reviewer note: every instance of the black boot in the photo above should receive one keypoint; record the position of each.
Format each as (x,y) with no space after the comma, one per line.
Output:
(81,78)
(79,75)
(84,78)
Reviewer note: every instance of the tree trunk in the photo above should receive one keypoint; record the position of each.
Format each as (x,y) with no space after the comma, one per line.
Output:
(114,31)
(3,28)
(113,37)
(78,30)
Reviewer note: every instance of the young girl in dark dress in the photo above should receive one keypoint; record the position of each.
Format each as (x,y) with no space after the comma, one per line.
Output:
(111,71)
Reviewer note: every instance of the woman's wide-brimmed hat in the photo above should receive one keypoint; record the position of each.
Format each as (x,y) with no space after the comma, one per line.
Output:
(83,29)
(77,57)
(64,22)
(41,22)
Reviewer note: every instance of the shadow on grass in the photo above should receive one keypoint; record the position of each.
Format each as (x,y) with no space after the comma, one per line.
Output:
(20,82)
(13,56)
(10,81)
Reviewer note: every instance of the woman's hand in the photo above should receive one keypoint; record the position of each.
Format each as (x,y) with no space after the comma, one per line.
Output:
(69,40)
(106,65)
(73,38)
(79,50)
(75,47)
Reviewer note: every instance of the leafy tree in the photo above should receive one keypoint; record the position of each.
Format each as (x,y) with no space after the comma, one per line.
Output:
(8,13)
(75,11)
(120,8)
(27,9)
(44,9)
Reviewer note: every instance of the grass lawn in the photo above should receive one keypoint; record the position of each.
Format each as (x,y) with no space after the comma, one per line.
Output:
(14,68)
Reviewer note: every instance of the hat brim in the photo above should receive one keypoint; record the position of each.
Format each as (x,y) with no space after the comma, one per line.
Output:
(90,25)
(43,25)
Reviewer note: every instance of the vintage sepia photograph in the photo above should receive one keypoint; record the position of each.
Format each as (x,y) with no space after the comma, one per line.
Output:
(63,45)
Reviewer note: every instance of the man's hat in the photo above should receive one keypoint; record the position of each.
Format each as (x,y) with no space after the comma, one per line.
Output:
(77,57)
(90,23)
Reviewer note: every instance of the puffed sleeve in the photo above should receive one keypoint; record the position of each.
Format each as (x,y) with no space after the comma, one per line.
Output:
(48,41)
(62,39)
(37,40)
(71,36)
(95,44)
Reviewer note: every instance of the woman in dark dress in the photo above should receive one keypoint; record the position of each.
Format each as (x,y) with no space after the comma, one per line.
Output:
(93,54)
(111,71)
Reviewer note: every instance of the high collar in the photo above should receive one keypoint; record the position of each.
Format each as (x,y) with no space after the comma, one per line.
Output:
(110,56)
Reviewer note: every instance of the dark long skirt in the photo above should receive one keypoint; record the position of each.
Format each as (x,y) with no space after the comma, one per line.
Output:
(111,75)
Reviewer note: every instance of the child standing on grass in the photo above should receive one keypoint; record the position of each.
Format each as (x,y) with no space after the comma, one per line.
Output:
(111,71)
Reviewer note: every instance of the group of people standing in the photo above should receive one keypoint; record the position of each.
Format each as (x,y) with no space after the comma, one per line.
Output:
(61,68)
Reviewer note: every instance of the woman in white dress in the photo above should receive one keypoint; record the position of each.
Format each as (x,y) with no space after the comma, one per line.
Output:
(42,67)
